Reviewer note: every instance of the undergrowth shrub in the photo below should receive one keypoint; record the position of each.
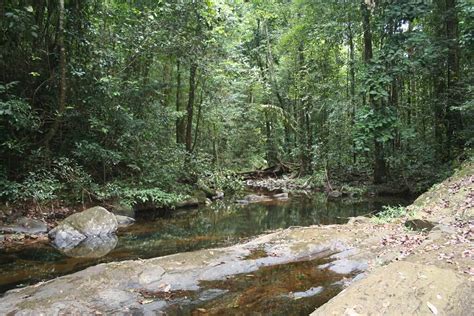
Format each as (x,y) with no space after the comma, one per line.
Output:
(391,213)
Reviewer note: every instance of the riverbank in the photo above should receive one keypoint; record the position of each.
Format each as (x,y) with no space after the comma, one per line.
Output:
(381,260)
(436,276)
(219,224)
(349,250)
(16,219)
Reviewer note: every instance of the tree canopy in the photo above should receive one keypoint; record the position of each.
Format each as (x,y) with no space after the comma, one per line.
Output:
(101,97)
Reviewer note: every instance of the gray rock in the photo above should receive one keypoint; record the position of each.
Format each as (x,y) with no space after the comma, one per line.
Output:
(308,293)
(345,266)
(359,277)
(219,195)
(92,247)
(281,196)
(446,229)
(419,224)
(116,299)
(66,236)
(211,294)
(359,220)
(334,194)
(242,202)
(191,202)
(254,198)
(25,225)
(93,222)
(148,277)
(124,221)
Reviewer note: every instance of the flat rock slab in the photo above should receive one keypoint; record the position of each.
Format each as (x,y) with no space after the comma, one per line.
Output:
(118,288)
(404,288)
(25,225)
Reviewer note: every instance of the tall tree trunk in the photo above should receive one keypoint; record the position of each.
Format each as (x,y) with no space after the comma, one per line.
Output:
(62,80)
(352,84)
(453,117)
(303,120)
(270,69)
(199,115)
(215,146)
(167,81)
(190,107)
(179,121)
(272,157)
(379,160)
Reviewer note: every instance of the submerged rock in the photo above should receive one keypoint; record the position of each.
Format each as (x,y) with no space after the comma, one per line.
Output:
(308,293)
(124,221)
(25,225)
(93,222)
(258,198)
(345,266)
(282,184)
(254,198)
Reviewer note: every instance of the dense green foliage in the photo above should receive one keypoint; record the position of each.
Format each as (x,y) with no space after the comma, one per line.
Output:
(154,96)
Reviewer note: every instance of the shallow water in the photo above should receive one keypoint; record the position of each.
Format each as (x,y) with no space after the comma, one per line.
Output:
(295,288)
(155,235)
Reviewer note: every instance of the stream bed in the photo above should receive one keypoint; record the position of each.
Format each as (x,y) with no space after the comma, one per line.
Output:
(220,224)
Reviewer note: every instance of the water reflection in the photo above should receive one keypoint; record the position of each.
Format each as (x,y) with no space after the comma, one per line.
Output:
(156,235)
(92,247)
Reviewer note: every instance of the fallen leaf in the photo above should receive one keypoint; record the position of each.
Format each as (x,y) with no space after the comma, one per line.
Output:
(432,308)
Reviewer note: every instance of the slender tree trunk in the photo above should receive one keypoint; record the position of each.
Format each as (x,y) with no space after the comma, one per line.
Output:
(190,107)
(271,151)
(309,142)
(180,120)
(215,145)
(274,84)
(62,80)
(199,115)
(167,81)
(379,160)
(303,120)
(352,85)
(453,117)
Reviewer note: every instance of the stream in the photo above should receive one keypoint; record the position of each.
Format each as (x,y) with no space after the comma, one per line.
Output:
(220,224)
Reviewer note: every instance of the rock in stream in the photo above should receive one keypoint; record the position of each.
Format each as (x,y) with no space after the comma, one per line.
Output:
(91,223)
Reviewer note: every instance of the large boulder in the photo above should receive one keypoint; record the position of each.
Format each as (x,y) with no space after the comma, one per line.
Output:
(93,222)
